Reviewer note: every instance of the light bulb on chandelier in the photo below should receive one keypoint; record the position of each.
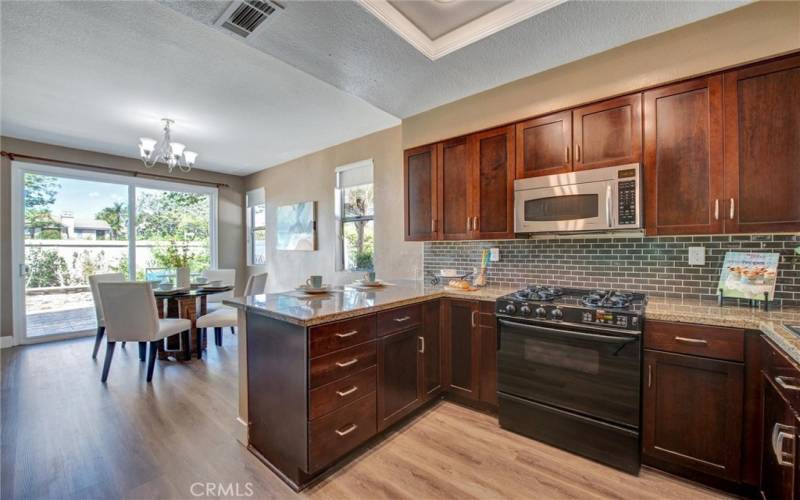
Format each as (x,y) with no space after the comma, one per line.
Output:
(174,154)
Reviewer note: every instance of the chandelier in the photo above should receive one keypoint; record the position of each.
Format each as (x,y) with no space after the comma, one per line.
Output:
(174,154)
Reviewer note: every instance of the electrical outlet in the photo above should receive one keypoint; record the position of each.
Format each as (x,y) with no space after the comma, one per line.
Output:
(494,254)
(697,256)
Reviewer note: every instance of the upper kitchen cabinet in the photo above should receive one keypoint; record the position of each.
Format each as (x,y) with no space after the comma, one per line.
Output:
(762,147)
(420,183)
(455,190)
(608,133)
(492,154)
(683,157)
(544,145)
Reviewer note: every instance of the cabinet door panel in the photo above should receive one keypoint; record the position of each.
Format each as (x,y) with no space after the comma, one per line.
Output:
(544,145)
(683,157)
(455,186)
(608,133)
(693,412)
(493,178)
(777,480)
(488,356)
(431,349)
(463,347)
(762,147)
(420,193)
(398,372)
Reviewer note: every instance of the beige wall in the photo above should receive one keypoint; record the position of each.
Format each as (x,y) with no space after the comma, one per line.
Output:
(746,34)
(312,177)
(230,211)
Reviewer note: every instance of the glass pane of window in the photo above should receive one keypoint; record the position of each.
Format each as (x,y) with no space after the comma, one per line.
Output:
(259,216)
(259,250)
(357,201)
(73,228)
(171,225)
(359,243)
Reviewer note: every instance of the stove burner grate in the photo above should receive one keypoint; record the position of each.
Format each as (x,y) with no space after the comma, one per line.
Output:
(541,293)
(609,299)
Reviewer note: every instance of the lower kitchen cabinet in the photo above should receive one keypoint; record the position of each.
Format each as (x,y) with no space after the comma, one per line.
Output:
(778,456)
(431,349)
(692,414)
(399,369)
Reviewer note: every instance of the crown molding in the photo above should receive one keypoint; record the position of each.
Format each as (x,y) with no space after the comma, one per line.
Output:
(477,29)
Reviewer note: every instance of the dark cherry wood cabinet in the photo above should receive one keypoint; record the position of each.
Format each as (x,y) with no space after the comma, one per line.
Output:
(420,192)
(487,324)
(762,147)
(398,375)
(683,158)
(544,145)
(455,190)
(462,340)
(779,454)
(492,154)
(431,349)
(608,133)
(692,413)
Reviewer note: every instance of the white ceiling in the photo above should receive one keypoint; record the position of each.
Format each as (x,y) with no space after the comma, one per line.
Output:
(97,75)
(342,43)
(437,18)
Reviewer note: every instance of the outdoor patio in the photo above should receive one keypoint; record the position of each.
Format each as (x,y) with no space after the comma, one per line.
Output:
(59,313)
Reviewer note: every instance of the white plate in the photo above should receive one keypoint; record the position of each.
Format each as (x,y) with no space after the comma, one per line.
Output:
(213,288)
(308,289)
(369,283)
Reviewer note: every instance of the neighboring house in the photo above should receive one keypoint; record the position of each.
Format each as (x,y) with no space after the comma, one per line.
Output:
(71,228)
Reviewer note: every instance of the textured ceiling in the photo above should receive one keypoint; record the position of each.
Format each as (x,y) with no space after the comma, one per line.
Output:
(97,75)
(341,43)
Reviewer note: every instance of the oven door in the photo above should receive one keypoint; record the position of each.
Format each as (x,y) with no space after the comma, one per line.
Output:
(582,370)
(572,207)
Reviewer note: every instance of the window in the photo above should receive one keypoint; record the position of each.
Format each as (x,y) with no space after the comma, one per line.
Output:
(355,217)
(256,227)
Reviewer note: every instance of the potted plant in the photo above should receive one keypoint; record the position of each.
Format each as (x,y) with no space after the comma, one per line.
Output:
(179,258)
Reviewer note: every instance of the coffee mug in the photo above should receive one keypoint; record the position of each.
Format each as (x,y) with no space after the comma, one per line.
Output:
(314,281)
(370,277)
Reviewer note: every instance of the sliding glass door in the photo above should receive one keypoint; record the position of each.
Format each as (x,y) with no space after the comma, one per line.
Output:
(70,224)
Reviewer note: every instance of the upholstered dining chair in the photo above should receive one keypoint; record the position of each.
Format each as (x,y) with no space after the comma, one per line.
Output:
(227,316)
(98,311)
(130,314)
(227,277)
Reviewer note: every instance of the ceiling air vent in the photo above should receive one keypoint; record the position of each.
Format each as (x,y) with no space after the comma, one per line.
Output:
(243,18)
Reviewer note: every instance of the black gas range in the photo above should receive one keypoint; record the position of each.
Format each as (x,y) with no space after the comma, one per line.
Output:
(569,370)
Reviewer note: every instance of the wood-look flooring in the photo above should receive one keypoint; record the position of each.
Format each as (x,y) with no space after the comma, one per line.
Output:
(65,435)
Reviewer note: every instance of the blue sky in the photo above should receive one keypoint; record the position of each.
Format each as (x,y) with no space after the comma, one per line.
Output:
(85,198)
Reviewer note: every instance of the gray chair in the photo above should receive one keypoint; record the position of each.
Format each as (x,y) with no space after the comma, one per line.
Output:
(227,316)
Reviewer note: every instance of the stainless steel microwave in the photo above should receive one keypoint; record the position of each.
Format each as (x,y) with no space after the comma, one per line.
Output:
(601,199)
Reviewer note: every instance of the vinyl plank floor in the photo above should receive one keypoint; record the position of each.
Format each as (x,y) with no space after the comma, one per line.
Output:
(66,435)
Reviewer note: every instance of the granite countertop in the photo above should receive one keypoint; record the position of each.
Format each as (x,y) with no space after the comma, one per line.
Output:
(347,302)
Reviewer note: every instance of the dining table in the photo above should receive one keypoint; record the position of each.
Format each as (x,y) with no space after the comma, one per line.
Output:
(185,304)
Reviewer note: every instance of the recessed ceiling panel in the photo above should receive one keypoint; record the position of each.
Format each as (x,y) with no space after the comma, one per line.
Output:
(436,18)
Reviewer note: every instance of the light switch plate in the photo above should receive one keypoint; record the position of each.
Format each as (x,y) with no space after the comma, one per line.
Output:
(494,254)
(697,256)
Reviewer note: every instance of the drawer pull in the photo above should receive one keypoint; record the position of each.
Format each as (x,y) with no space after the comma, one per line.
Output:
(781,381)
(403,319)
(341,364)
(348,334)
(347,431)
(347,392)
(692,341)
(780,432)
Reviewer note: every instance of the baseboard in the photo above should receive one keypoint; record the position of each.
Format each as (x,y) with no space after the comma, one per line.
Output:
(6,342)
(241,435)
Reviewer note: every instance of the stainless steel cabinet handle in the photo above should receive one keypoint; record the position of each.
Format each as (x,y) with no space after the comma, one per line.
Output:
(649,375)
(577,152)
(687,340)
(781,432)
(716,209)
(475,223)
(472,319)
(421,345)
(345,335)
(566,155)
(733,210)
(403,319)
(433,225)
(781,381)
(347,431)
(347,392)
(469,223)
(341,364)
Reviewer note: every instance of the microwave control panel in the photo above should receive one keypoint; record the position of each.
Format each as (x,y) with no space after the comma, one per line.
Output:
(626,202)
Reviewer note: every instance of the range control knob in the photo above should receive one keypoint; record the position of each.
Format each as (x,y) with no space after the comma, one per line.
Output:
(541,312)
(511,309)
(525,310)
(557,314)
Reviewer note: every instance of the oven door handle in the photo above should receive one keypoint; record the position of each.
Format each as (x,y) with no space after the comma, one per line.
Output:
(583,335)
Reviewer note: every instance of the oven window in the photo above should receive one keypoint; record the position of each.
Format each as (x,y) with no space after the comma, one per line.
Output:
(558,208)
(562,356)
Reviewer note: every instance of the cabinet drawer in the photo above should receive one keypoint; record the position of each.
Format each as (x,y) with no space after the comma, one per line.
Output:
(781,371)
(341,364)
(340,335)
(699,340)
(339,432)
(329,397)
(398,319)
